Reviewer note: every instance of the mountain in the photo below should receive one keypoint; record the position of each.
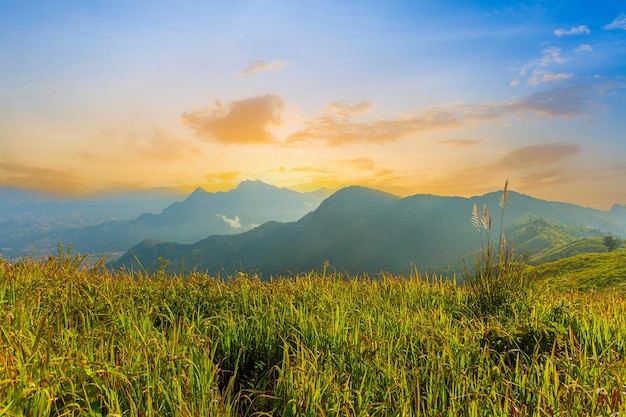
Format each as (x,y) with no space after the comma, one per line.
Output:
(29,218)
(618,213)
(199,215)
(362,230)
(537,235)
(25,205)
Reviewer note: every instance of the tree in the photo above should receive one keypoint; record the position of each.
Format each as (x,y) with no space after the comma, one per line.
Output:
(610,242)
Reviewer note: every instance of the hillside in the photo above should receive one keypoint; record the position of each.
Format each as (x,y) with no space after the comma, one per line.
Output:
(584,271)
(569,249)
(538,240)
(363,230)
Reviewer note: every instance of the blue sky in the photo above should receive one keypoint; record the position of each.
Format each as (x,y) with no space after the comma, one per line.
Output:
(443,97)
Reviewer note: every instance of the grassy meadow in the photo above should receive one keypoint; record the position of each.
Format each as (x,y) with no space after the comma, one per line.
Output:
(99,343)
(586,271)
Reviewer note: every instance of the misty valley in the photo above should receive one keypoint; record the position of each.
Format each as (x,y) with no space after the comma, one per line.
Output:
(261,229)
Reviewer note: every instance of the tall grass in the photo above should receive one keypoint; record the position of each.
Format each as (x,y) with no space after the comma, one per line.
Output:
(96,343)
(497,276)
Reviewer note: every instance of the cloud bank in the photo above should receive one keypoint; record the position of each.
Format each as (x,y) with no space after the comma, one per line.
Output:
(248,121)
(567,102)
(240,122)
(52,180)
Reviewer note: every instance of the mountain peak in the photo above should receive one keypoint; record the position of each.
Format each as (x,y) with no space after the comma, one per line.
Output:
(357,197)
(357,190)
(254,185)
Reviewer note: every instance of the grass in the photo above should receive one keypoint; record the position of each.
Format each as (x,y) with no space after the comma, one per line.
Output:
(569,249)
(96,343)
(497,276)
(587,271)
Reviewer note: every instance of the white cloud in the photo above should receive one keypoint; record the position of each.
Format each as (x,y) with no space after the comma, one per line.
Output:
(551,55)
(234,223)
(262,66)
(585,47)
(544,77)
(536,78)
(578,30)
(556,77)
(618,23)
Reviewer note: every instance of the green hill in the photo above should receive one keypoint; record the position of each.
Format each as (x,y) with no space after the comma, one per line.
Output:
(541,241)
(584,271)
(364,230)
(569,249)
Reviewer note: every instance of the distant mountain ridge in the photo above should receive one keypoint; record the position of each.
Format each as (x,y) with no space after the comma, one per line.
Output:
(197,216)
(27,217)
(359,229)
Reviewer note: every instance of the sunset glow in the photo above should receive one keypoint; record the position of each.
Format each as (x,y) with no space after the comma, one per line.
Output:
(445,97)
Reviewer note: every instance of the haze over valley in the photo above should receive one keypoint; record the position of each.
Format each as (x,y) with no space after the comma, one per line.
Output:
(262,229)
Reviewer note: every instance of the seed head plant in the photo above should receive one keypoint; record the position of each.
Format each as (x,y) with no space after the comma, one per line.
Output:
(497,277)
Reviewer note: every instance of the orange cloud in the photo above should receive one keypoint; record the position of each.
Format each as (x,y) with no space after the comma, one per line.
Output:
(343,109)
(222,180)
(460,143)
(307,169)
(344,172)
(240,122)
(342,131)
(249,121)
(56,181)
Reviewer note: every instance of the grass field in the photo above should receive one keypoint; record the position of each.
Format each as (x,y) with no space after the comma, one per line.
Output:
(75,342)
(586,271)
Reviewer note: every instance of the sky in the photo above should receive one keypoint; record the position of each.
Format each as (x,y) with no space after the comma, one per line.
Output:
(446,97)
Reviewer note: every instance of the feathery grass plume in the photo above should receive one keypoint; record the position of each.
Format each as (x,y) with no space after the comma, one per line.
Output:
(477,221)
(486,219)
(503,203)
(476,218)
(497,278)
(505,194)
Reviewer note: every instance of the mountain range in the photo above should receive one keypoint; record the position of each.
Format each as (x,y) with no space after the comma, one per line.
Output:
(358,229)
(197,216)
(30,221)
